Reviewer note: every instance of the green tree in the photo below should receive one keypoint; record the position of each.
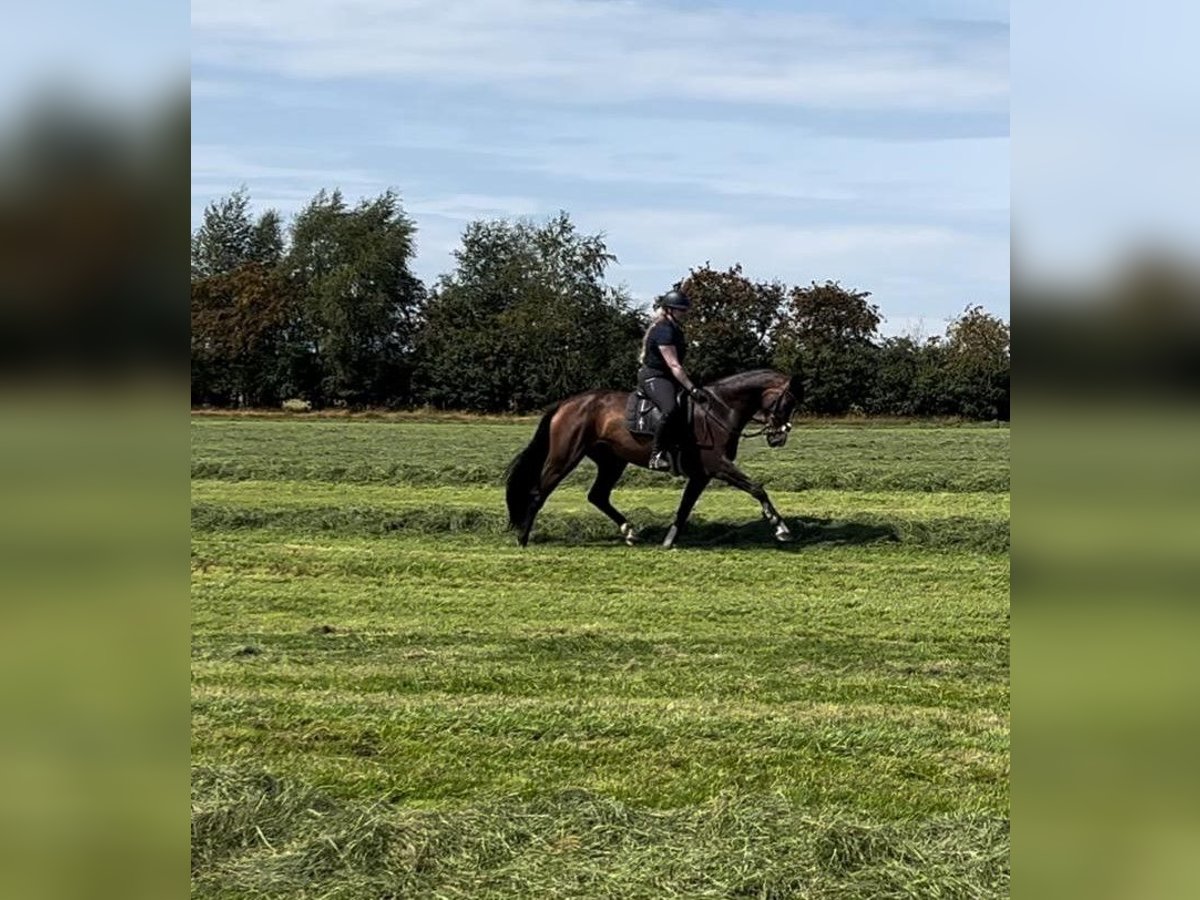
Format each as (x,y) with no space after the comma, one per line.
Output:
(223,240)
(243,309)
(892,391)
(732,321)
(977,364)
(240,325)
(361,303)
(266,245)
(828,333)
(911,379)
(525,318)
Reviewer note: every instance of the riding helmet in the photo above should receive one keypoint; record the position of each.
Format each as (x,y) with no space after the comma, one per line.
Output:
(675,299)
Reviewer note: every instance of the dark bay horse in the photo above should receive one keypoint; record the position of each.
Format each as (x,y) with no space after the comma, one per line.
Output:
(592,424)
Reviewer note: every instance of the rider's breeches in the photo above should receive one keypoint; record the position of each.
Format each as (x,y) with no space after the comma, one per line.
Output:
(663,392)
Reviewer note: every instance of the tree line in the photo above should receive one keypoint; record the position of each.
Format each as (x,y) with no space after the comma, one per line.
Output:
(326,309)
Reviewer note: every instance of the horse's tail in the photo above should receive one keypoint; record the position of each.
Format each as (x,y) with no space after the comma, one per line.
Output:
(525,471)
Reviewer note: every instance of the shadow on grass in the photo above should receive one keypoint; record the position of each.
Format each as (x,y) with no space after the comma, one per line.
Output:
(592,529)
(759,535)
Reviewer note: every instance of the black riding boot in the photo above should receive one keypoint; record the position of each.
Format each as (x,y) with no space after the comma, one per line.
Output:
(660,457)
(664,444)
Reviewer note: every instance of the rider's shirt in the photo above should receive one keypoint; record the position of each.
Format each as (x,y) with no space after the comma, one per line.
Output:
(664,332)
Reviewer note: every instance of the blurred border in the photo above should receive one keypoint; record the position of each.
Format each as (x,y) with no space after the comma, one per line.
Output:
(94,181)
(1107,444)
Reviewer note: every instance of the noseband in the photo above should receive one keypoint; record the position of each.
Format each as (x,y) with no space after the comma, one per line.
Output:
(772,427)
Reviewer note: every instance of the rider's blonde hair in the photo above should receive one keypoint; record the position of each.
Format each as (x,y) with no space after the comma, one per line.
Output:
(662,314)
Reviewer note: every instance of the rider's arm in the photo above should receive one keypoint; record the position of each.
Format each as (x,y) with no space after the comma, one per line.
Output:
(672,360)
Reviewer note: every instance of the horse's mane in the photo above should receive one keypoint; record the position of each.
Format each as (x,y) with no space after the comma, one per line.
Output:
(753,378)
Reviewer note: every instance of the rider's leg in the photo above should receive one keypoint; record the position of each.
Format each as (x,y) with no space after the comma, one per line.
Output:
(662,392)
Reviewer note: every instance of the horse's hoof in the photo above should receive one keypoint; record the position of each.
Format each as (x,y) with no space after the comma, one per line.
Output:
(782,534)
(669,541)
(629,533)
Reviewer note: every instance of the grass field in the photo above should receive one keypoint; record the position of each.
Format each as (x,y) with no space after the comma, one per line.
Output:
(390,699)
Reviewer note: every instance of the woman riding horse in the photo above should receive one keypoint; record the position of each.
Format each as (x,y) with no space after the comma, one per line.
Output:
(593,424)
(664,349)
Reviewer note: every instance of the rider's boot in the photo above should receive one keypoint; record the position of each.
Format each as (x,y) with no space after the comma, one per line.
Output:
(660,456)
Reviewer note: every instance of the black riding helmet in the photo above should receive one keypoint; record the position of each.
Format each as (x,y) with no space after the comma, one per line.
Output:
(675,299)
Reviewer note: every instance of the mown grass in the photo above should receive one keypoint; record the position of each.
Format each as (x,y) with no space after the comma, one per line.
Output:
(833,457)
(391,699)
(578,844)
(723,517)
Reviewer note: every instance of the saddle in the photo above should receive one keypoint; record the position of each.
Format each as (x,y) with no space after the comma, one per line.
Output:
(642,417)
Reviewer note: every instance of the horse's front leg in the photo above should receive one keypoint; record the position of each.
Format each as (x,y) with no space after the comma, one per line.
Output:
(732,475)
(691,493)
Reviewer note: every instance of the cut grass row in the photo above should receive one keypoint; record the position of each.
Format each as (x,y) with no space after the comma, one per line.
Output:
(255,835)
(725,517)
(911,458)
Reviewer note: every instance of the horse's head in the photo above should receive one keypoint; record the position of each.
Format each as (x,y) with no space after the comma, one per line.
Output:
(779,405)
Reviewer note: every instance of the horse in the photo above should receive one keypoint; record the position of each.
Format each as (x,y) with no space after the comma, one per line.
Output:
(593,424)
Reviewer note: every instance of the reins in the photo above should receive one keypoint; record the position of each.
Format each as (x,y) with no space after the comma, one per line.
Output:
(771,413)
(711,416)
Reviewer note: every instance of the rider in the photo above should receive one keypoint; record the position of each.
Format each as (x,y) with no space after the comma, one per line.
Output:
(662,374)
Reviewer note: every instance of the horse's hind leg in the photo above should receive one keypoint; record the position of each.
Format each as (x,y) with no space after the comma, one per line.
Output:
(691,493)
(609,468)
(564,456)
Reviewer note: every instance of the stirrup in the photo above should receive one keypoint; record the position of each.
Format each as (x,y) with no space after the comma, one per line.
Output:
(660,461)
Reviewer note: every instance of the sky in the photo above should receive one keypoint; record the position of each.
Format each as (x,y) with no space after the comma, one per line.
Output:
(808,141)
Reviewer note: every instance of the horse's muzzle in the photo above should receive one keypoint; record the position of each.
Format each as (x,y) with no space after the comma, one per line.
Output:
(777,438)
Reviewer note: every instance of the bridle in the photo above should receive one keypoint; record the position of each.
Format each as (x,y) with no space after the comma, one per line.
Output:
(774,424)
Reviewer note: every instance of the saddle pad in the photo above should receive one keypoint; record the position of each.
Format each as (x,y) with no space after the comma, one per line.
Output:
(641,415)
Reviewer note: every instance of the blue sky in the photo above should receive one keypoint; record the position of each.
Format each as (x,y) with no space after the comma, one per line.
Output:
(805,140)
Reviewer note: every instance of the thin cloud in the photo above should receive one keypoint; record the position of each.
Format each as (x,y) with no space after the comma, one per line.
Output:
(901,265)
(750,161)
(221,163)
(585,51)
(469,207)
